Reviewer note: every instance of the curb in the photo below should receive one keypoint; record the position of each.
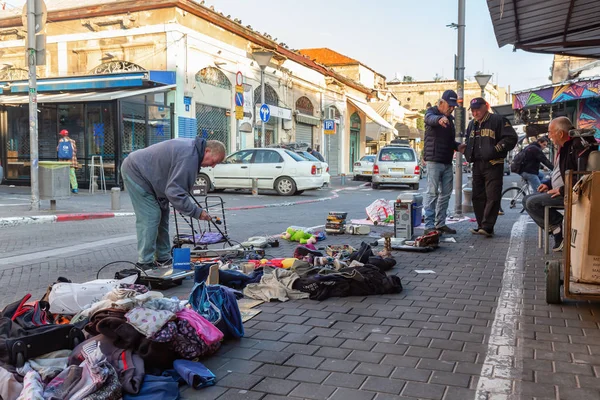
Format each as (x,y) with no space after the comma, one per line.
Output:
(45,219)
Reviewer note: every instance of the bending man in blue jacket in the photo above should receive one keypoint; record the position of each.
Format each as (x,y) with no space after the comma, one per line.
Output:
(439,149)
(161,174)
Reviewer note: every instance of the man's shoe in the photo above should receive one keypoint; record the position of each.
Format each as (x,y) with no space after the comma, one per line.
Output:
(558,242)
(164,264)
(475,231)
(75,191)
(446,229)
(500,212)
(486,233)
(145,266)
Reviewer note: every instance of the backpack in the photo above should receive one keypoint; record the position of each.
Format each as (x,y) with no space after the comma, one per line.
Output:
(518,162)
(65,150)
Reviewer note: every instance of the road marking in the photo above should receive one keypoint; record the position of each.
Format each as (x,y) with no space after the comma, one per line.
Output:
(13,205)
(503,362)
(7,263)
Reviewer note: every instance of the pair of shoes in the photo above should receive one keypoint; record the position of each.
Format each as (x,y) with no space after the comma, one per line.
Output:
(446,229)
(75,191)
(558,242)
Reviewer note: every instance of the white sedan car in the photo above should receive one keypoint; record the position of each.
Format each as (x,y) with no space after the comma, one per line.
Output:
(279,169)
(307,156)
(363,168)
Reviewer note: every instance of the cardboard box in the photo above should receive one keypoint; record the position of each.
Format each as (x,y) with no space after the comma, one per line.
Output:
(585,230)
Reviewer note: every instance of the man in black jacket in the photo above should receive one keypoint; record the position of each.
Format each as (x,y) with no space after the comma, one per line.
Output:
(534,156)
(439,149)
(571,154)
(489,139)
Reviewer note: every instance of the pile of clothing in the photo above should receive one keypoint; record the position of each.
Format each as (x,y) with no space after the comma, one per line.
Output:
(129,343)
(318,277)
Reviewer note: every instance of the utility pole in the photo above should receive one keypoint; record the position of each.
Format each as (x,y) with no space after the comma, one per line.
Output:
(33,117)
(460,110)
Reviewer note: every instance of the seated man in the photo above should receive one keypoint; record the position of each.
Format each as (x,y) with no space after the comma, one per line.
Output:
(570,155)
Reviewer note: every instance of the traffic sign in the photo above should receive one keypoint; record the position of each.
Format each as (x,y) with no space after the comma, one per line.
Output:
(239,99)
(329,126)
(239,78)
(265,113)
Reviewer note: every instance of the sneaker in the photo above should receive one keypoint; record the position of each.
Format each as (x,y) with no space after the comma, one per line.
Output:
(475,231)
(145,266)
(558,242)
(75,191)
(446,229)
(164,264)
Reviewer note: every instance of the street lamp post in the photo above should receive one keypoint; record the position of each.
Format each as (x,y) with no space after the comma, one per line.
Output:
(482,80)
(262,58)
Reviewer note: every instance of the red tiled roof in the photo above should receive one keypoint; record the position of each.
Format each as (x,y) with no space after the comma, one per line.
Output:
(327,56)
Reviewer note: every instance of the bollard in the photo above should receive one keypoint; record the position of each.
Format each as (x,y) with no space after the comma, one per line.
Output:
(255,187)
(94,184)
(343,176)
(467,204)
(115,198)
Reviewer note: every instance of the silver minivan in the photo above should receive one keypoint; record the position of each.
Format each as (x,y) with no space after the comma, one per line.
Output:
(396,164)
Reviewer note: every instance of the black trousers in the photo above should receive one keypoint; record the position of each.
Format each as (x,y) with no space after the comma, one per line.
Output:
(487,193)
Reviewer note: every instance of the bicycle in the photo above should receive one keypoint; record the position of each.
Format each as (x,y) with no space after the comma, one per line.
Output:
(514,195)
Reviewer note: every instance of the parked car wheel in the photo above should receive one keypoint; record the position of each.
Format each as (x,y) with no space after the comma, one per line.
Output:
(205,181)
(375,185)
(285,186)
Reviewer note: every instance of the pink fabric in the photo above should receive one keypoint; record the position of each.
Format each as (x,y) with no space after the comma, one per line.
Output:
(207,331)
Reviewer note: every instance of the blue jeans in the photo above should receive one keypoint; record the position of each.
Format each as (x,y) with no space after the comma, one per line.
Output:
(439,190)
(151,224)
(534,180)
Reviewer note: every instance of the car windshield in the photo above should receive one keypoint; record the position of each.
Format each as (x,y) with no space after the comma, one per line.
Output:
(400,154)
(306,155)
(294,156)
(368,158)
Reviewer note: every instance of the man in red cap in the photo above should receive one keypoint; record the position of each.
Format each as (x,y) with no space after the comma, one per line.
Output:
(67,151)
(489,139)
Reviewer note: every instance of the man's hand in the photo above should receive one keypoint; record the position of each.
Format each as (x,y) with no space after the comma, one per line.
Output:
(462,147)
(444,122)
(554,192)
(543,188)
(204,216)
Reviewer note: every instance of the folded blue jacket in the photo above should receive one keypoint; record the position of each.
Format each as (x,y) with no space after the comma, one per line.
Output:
(156,388)
(194,373)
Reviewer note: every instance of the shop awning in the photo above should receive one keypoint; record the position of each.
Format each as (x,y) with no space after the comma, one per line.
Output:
(78,97)
(307,119)
(569,27)
(372,115)
(557,93)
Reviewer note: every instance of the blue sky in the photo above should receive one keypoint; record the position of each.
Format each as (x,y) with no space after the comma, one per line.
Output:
(408,37)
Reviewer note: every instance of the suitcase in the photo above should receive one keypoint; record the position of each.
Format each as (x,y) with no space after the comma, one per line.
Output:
(18,344)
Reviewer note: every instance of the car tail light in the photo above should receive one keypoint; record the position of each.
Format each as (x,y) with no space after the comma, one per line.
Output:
(357,164)
(375,169)
(313,170)
(417,170)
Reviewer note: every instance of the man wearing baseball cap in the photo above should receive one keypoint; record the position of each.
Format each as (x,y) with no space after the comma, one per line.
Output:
(438,151)
(489,139)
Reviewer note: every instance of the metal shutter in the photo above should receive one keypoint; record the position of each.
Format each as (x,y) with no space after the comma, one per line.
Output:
(304,134)
(331,152)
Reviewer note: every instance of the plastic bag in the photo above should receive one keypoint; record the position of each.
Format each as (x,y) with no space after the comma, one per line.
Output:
(379,210)
(71,298)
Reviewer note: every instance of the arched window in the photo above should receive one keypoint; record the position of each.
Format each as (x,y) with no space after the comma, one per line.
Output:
(112,67)
(304,105)
(271,97)
(336,112)
(213,76)
(355,121)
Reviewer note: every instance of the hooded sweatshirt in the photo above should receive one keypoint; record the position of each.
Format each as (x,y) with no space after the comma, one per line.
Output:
(168,170)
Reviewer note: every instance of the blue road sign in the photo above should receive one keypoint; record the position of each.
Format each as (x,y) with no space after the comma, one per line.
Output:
(329,125)
(239,99)
(265,113)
